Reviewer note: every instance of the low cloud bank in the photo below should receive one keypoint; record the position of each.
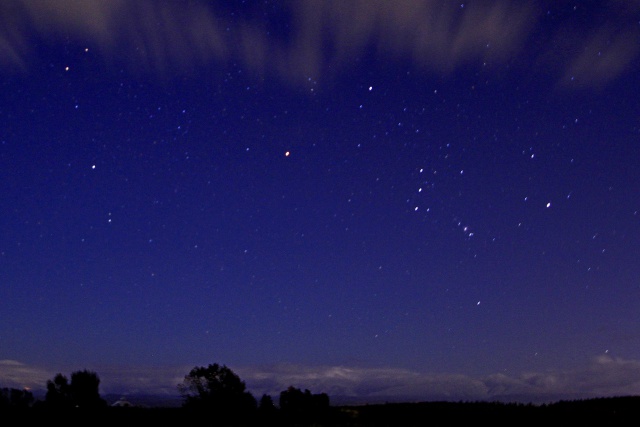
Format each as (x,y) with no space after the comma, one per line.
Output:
(604,377)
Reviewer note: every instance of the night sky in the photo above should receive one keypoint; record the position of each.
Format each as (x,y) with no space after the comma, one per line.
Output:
(374,199)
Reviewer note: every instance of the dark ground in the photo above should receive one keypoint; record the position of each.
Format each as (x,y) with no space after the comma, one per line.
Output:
(620,411)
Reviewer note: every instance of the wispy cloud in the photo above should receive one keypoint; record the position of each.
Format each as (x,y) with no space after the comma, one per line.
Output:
(604,377)
(18,375)
(307,39)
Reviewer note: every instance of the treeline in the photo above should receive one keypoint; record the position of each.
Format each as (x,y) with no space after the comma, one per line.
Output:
(217,390)
(214,395)
(613,411)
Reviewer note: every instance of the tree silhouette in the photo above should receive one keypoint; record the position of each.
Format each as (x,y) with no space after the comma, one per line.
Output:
(266,404)
(217,389)
(267,410)
(303,406)
(82,392)
(13,398)
(58,392)
(85,389)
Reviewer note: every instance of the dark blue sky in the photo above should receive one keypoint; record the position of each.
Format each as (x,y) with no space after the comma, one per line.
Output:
(411,199)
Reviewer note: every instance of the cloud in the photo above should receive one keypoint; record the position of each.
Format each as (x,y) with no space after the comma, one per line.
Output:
(159,36)
(604,377)
(14,374)
(434,35)
(363,384)
(307,40)
(593,52)
(141,380)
